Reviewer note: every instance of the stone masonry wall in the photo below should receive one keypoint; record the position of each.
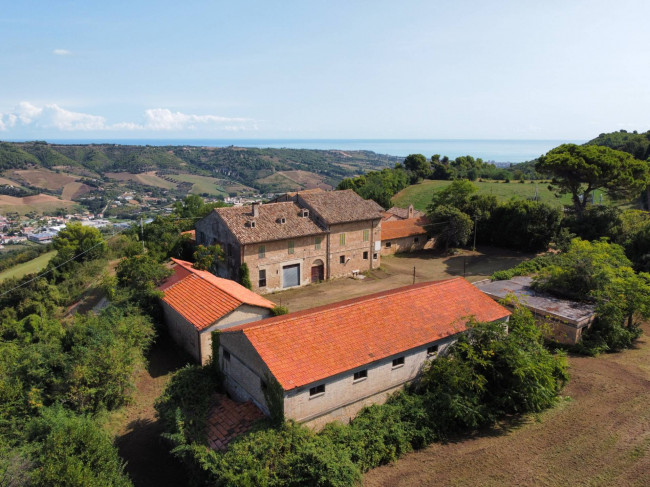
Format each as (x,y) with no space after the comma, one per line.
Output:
(356,254)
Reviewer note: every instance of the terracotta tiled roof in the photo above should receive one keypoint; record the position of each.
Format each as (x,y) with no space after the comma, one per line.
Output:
(396,213)
(342,206)
(203,298)
(308,346)
(228,419)
(267,223)
(292,194)
(191,233)
(402,228)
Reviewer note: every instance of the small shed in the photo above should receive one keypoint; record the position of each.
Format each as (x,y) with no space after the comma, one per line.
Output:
(568,319)
(196,303)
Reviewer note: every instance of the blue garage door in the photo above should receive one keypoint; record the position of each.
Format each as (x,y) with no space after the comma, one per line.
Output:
(291,275)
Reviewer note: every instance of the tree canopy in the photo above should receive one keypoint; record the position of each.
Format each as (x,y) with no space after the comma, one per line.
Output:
(580,170)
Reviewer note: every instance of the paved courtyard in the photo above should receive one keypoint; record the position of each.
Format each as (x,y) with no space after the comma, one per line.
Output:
(397,270)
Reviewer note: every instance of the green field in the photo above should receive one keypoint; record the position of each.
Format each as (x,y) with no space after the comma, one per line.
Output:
(202,184)
(29,267)
(420,194)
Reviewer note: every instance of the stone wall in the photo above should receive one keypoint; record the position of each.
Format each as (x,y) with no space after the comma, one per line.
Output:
(182,331)
(356,254)
(276,256)
(405,244)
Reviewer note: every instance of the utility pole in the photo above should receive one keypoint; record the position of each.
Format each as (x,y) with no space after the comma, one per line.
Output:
(464,265)
(413,274)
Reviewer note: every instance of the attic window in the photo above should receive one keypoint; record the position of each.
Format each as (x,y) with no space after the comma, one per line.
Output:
(251,223)
(282,220)
(319,390)
(304,213)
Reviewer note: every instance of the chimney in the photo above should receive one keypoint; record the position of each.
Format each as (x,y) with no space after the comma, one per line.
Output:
(410,214)
(256,208)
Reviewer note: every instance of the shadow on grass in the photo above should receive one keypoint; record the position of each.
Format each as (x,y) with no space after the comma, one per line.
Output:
(149,462)
(503,427)
(165,356)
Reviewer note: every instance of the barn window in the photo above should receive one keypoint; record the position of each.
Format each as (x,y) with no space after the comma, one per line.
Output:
(226,355)
(291,246)
(362,374)
(365,255)
(432,350)
(317,241)
(317,390)
(388,244)
(342,259)
(416,239)
(342,239)
(366,235)
(261,252)
(398,362)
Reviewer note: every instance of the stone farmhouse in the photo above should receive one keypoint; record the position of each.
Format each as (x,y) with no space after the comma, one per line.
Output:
(196,303)
(403,230)
(301,238)
(333,360)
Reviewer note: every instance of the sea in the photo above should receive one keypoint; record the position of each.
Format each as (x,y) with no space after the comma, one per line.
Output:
(493,150)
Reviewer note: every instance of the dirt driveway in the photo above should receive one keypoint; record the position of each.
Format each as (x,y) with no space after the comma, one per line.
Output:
(397,270)
(599,435)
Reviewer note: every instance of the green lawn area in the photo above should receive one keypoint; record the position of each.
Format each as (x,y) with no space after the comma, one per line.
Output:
(29,267)
(202,184)
(420,194)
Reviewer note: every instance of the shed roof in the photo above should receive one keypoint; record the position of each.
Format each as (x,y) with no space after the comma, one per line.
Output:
(203,298)
(402,228)
(308,346)
(572,312)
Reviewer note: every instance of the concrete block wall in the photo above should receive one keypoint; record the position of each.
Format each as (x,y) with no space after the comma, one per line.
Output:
(344,397)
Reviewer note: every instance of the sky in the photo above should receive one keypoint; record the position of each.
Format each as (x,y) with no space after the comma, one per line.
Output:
(323,69)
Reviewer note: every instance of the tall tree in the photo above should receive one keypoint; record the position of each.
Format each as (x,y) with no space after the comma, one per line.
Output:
(418,165)
(580,170)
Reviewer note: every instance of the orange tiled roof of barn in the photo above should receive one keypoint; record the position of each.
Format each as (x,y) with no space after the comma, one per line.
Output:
(403,228)
(267,226)
(397,213)
(203,298)
(308,346)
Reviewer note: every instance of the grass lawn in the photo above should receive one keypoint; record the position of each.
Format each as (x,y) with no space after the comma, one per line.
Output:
(202,184)
(28,267)
(420,194)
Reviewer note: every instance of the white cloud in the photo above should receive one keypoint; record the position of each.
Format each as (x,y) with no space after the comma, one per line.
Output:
(61,52)
(26,115)
(50,116)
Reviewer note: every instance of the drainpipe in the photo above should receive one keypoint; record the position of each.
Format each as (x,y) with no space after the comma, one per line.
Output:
(327,253)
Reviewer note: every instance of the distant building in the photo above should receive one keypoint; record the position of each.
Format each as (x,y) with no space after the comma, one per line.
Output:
(301,238)
(43,238)
(196,303)
(568,319)
(332,360)
(404,230)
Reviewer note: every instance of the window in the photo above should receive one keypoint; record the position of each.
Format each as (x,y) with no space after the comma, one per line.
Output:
(202,237)
(366,235)
(365,255)
(317,241)
(398,362)
(262,278)
(317,390)
(341,239)
(229,250)
(432,350)
(374,256)
(282,220)
(263,385)
(252,223)
(261,252)
(416,239)
(342,259)
(291,246)
(362,374)
(388,245)
(226,355)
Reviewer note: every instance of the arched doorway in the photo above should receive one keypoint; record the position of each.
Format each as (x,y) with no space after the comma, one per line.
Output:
(317,271)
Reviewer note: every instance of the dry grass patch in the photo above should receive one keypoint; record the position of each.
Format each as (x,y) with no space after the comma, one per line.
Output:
(43,178)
